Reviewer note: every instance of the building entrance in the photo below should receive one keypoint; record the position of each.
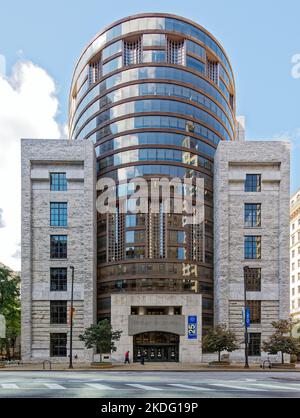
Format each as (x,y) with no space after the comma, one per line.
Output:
(156,347)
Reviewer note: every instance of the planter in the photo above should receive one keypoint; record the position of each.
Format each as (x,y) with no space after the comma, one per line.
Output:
(283,366)
(2,365)
(220,364)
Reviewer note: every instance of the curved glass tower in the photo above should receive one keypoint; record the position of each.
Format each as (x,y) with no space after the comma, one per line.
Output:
(156,94)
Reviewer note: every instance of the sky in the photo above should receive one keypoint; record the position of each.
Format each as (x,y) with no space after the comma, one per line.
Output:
(40,43)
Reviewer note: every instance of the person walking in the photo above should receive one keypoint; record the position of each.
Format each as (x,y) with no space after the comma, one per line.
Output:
(142,358)
(127,360)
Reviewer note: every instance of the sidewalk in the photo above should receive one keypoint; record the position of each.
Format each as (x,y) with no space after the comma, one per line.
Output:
(149,367)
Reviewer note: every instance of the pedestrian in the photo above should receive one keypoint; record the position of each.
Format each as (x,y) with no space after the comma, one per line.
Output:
(142,358)
(127,360)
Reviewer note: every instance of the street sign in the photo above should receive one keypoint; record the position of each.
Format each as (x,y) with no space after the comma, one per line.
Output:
(247,318)
(192,327)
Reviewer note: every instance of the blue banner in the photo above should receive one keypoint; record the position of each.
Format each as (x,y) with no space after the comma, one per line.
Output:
(247,318)
(192,327)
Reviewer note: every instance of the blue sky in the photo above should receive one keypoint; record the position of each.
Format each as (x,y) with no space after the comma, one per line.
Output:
(260,37)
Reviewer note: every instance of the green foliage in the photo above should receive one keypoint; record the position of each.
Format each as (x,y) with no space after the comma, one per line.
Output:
(281,340)
(220,339)
(10,307)
(101,336)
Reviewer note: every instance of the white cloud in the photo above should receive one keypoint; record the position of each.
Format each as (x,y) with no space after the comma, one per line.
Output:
(28,108)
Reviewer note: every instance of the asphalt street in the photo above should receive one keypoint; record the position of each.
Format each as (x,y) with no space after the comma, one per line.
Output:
(159,385)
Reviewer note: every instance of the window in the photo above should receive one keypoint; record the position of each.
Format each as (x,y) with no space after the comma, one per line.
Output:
(132,52)
(253,279)
(177,237)
(59,214)
(178,253)
(293,266)
(135,220)
(293,291)
(212,70)
(252,247)
(58,246)
(293,254)
(135,252)
(58,279)
(176,52)
(58,345)
(255,311)
(254,344)
(58,182)
(252,215)
(135,236)
(58,312)
(293,278)
(253,183)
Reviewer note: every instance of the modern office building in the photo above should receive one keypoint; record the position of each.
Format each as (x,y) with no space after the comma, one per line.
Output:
(153,98)
(295,258)
(155,93)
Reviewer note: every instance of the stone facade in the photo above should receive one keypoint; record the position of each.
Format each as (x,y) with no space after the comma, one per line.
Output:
(232,162)
(295,259)
(77,160)
(191,305)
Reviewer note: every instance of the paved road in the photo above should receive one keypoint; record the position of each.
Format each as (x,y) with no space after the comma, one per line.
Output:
(157,385)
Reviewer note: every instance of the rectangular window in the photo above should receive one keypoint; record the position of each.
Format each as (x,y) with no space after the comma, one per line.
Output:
(135,237)
(58,279)
(135,252)
(135,220)
(212,70)
(58,312)
(58,345)
(177,237)
(253,279)
(59,214)
(255,311)
(254,344)
(58,182)
(252,247)
(58,246)
(252,215)
(178,253)
(94,72)
(176,51)
(132,52)
(253,183)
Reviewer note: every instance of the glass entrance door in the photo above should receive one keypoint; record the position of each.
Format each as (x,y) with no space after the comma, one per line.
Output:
(156,347)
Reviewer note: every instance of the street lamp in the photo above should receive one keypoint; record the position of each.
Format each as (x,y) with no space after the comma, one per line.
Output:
(246,314)
(71,320)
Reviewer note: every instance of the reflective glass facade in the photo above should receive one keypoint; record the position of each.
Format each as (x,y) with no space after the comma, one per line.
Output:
(153,109)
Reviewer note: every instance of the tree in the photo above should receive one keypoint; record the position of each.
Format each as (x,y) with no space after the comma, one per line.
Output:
(102,337)
(10,307)
(220,339)
(281,340)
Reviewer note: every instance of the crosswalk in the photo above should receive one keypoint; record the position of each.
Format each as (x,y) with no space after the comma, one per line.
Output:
(205,387)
